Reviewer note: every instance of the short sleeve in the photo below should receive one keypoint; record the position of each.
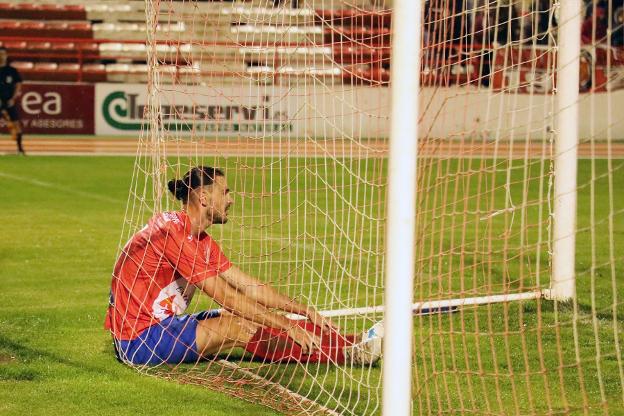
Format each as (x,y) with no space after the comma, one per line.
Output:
(187,255)
(216,258)
(17,76)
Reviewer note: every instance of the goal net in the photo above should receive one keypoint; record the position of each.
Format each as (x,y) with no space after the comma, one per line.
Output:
(292,100)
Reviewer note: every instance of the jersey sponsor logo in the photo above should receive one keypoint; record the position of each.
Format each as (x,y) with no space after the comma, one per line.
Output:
(8,79)
(173,299)
(170,216)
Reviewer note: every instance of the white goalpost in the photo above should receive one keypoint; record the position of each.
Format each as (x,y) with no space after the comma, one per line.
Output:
(450,167)
(567,140)
(401,212)
(397,391)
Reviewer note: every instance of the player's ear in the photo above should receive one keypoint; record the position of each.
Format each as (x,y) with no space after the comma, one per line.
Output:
(204,196)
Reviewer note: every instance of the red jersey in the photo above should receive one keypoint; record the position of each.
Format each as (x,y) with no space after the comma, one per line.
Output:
(155,274)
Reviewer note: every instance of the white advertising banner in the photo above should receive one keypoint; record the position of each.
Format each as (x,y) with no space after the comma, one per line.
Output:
(338,112)
(249,112)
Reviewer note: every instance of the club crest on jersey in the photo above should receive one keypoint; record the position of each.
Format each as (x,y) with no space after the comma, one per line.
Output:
(173,299)
(9,79)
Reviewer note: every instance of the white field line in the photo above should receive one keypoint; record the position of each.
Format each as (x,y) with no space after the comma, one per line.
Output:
(66,190)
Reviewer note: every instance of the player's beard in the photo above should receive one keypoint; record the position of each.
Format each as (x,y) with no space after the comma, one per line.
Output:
(219,218)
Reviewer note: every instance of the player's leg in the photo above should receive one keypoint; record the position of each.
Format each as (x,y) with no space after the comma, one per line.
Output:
(222,333)
(271,344)
(170,341)
(15,126)
(354,349)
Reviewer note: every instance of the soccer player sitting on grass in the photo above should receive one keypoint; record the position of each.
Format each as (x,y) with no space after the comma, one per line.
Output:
(160,268)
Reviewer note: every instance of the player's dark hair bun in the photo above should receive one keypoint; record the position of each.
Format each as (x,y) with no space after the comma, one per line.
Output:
(178,188)
(194,178)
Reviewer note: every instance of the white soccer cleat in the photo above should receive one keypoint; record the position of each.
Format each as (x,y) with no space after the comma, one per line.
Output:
(368,350)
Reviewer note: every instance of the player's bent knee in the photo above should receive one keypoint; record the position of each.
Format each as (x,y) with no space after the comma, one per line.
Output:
(227,331)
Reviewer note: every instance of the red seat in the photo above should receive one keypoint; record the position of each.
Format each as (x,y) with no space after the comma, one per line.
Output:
(7,25)
(50,51)
(359,35)
(27,6)
(14,45)
(74,7)
(366,76)
(31,25)
(67,30)
(35,11)
(22,65)
(345,53)
(94,68)
(69,67)
(94,72)
(38,46)
(56,26)
(79,26)
(88,47)
(43,71)
(45,66)
(356,18)
(68,72)
(63,46)
(32,28)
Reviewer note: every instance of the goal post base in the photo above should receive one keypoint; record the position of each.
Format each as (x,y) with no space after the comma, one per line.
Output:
(558,294)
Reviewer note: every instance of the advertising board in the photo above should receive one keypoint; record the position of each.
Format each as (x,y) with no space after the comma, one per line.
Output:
(55,109)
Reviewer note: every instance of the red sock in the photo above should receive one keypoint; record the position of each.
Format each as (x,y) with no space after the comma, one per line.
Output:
(270,344)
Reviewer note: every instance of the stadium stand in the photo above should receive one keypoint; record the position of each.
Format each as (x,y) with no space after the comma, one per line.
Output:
(92,41)
(95,41)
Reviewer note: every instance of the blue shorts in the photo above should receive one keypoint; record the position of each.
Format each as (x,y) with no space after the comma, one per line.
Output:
(170,341)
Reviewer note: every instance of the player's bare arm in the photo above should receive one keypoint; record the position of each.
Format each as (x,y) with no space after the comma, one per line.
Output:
(237,303)
(267,296)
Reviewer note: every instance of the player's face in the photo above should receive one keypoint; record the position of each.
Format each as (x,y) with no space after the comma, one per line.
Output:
(218,201)
(3,58)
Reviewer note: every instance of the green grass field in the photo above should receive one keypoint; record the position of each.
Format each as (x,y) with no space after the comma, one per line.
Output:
(62,219)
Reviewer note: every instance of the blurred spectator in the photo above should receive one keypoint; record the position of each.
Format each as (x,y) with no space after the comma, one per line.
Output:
(10,89)
(543,21)
(600,16)
(503,22)
(596,23)
(617,37)
(518,21)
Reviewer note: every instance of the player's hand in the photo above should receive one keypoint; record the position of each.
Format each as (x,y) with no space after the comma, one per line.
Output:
(324,323)
(306,340)
(11,102)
